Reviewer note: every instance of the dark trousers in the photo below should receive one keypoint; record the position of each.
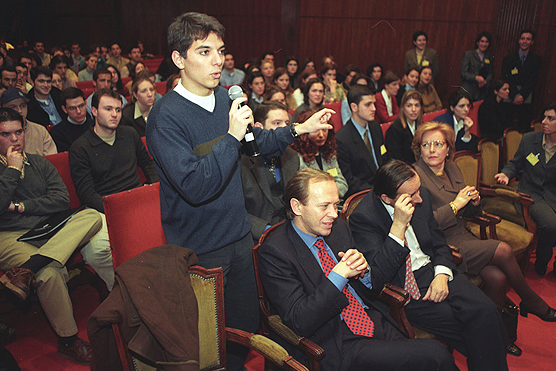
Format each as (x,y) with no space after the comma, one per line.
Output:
(467,320)
(240,292)
(390,350)
(545,218)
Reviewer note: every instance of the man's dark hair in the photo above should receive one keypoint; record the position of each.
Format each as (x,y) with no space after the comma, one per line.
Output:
(101,71)
(268,52)
(101,93)
(455,97)
(40,70)
(351,68)
(372,67)
(298,186)
(528,30)
(189,27)
(9,69)
(357,92)
(27,56)
(416,34)
(23,65)
(262,111)
(229,53)
(89,56)
(390,77)
(71,93)
(391,176)
(134,47)
(56,61)
(9,114)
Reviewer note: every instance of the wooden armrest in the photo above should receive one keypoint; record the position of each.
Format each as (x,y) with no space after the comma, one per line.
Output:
(263,345)
(397,298)
(308,347)
(456,256)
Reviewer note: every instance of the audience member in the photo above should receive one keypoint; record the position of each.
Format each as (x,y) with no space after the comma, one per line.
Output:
(457,117)
(292,66)
(522,70)
(57,81)
(386,103)
(395,223)
(350,71)
(172,82)
(476,68)
(37,139)
(306,75)
(22,77)
(535,158)
(117,60)
(77,121)
(318,151)
(44,106)
(268,56)
(274,93)
(264,179)
(322,287)
(374,71)
(27,60)
(256,83)
(267,69)
(231,75)
(409,82)
(313,97)
(91,63)
(452,203)
(308,63)
(116,78)
(31,191)
(59,65)
(431,100)
(136,112)
(399,135)
(281,79)
(134,58)
(76,57)
(494,114)
(199,174)
(9,76)
(333,92)
(361,149)
(421,56)
(39,52)
(358,79)
(104,160)
(102,78)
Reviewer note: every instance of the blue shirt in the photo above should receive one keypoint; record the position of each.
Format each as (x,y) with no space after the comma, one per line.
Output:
(338,280)
(49,107)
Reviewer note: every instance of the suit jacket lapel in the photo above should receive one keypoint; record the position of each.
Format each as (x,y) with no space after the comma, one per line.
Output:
(262,175)
(360,146)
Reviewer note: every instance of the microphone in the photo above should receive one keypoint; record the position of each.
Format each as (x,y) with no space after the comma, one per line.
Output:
(249,142)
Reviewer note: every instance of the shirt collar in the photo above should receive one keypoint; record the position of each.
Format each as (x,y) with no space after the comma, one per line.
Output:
(307,238)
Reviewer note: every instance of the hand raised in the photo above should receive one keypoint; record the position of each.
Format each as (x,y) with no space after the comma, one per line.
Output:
(14,158)
(318,121)
(502,178)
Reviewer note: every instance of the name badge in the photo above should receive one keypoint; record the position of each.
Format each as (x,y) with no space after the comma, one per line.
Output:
(533,159)
(487,61)
(382,149)
(425,63)
(332,172)
(514,71)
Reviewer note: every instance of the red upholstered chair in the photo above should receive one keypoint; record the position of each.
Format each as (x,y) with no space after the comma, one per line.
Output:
(61,161)
(152,64)
(85,85)
(431,115)
(336,118)
(160,87)
(474,115)
(125,80)
(88,91)
(134,223)
(385,128)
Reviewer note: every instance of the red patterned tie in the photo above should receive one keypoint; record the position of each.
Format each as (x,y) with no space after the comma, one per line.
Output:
(410,283)
(354,315)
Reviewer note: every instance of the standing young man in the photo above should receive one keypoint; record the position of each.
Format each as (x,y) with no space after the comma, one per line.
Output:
(194,135)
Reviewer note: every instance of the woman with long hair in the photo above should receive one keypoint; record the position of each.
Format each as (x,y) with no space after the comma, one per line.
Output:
(306,75)
(333,92)
(318,151)
(281,79)
(136,112)
(313,97)
(431,100)
(399,135)
(117,84)
(292,66)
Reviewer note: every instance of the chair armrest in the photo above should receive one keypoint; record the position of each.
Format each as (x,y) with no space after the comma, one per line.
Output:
(313,351)
(456,256)
(397,298)
(266,347)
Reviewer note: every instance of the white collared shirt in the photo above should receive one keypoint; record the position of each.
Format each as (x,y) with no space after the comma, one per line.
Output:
(207,102)
(388,102)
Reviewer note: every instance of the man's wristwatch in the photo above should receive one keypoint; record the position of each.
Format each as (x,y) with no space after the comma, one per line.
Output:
(16,206)
(292,129)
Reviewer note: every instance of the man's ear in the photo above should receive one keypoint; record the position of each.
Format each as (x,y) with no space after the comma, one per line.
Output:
(353,107)
(296,206)
(177,58)
(387,200)
(94,111)
(259,125)
(64,108)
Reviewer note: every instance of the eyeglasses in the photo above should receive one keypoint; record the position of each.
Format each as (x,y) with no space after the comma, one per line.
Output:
(75,108)
(437,144)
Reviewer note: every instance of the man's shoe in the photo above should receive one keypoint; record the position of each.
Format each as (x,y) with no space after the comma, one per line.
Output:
(514,350)
(6,330)
(19,281)
(80,352)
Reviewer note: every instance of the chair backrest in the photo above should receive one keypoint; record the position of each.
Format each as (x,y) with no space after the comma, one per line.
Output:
(536,126)
(133,219)
(85,84)
(61,162)
(490,161)
(470,165)
(432,115)
(385,128)
(208,285)
(336,118)
(510,143)
(160,87)
(474,115)
(351,203)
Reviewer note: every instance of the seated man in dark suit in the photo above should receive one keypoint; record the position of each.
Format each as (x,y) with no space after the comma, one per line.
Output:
(323,288)
(77,122)
(361,149)
(45,104)
(264,179)
(396,220)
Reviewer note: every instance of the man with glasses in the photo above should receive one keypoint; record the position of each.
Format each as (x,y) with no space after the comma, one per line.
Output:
(77,122)
(45,105)
(37,139)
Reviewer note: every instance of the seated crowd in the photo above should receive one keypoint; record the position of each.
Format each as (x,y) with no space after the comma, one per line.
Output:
(416,205)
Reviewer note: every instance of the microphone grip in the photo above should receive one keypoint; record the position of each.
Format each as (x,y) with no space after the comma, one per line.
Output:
(249,143)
